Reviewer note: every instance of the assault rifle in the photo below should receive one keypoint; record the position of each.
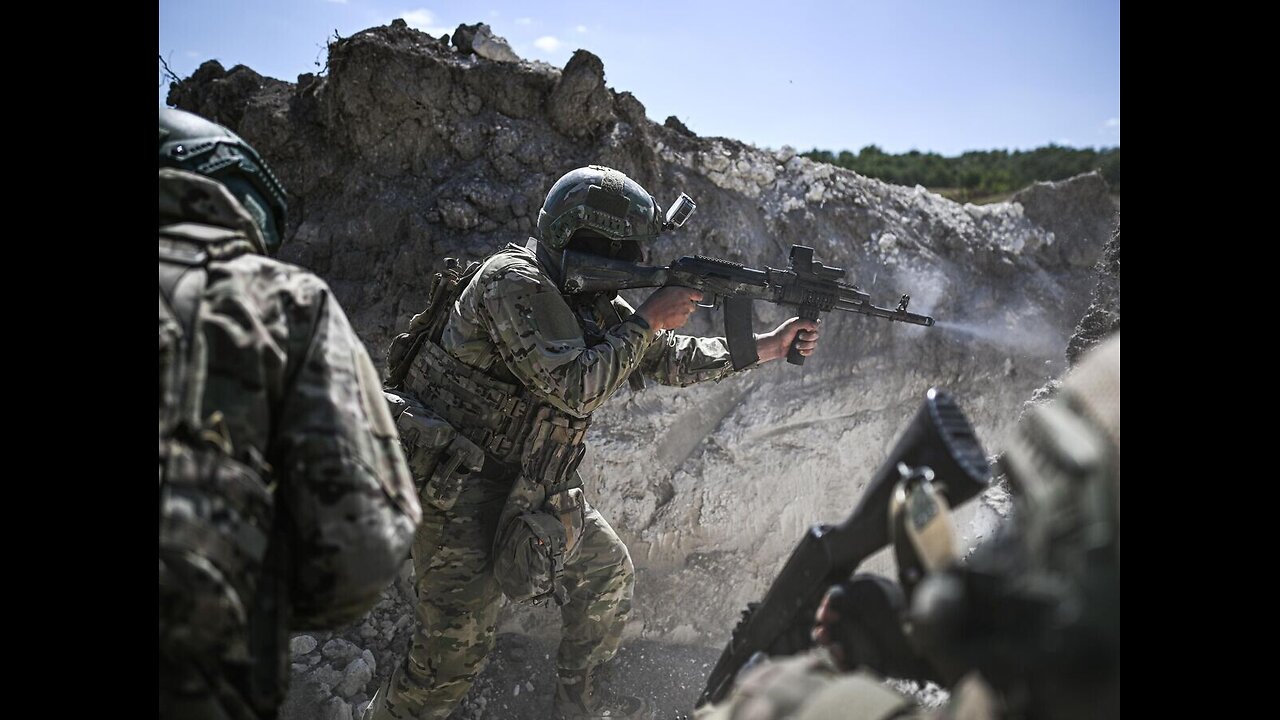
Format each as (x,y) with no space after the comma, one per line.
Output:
(805,284)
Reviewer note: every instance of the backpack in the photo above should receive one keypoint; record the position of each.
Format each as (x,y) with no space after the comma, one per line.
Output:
(216,513)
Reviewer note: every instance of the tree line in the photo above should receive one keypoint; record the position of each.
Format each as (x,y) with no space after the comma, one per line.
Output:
(977,173)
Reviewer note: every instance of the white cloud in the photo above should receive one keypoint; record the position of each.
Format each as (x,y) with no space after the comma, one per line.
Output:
(193,54)
(418,17)
(1112,123)
(547,43)
(581,28)
(423,20)
(338,2)
(524,21)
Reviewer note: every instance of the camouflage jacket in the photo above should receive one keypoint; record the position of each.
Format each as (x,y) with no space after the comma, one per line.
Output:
(281,378)
(810,686)
(573,352)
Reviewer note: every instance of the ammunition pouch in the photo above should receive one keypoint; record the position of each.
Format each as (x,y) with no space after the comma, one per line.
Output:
(492,414)
(536,536)
(440,459)
(529,557)
(553,449)
(542,521)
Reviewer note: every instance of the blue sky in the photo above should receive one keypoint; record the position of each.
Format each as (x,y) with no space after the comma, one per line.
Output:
(930,75)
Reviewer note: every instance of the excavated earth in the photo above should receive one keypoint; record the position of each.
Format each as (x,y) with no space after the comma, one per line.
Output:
(410,149)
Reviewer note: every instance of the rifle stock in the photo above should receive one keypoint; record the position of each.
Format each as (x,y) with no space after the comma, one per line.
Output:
(593,273)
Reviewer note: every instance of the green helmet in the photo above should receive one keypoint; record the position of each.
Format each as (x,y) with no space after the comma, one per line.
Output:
(192,143)
(604,201)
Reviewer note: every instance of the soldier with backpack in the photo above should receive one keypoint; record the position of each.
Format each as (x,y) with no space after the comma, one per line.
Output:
(285,503)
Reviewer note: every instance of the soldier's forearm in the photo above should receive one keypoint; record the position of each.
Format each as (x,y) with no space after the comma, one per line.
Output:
(683,360)
(579,380)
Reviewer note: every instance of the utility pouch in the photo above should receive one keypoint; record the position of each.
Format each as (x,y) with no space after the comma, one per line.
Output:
(440,459)
(529,557)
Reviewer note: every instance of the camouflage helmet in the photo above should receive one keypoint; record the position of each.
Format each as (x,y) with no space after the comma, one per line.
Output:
(192,143)
(600,199)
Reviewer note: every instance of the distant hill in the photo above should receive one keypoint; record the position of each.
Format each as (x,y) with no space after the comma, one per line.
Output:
(980,175)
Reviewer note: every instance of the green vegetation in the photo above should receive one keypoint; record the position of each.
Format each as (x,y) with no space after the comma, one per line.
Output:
(977,176)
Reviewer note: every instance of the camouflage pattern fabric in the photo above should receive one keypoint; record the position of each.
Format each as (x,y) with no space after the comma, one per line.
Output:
(808,686)
(774,689)
(279,383)
(571,353)
(459,599)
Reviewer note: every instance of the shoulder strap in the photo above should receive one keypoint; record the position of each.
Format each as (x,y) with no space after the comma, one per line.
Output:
(183,277)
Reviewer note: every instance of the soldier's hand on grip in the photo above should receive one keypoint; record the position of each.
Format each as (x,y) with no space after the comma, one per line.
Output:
(773,345)
(669,308)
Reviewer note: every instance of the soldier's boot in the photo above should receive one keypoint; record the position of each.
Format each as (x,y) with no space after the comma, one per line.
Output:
(579,697)
(380,708)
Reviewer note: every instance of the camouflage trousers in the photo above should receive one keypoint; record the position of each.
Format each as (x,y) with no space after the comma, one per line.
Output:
(458,603)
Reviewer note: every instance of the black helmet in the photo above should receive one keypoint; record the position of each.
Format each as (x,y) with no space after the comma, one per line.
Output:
(190,142)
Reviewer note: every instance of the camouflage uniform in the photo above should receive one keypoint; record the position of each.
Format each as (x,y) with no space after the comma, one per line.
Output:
(570,353)
(316,508)
(799,686)
(810,686)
